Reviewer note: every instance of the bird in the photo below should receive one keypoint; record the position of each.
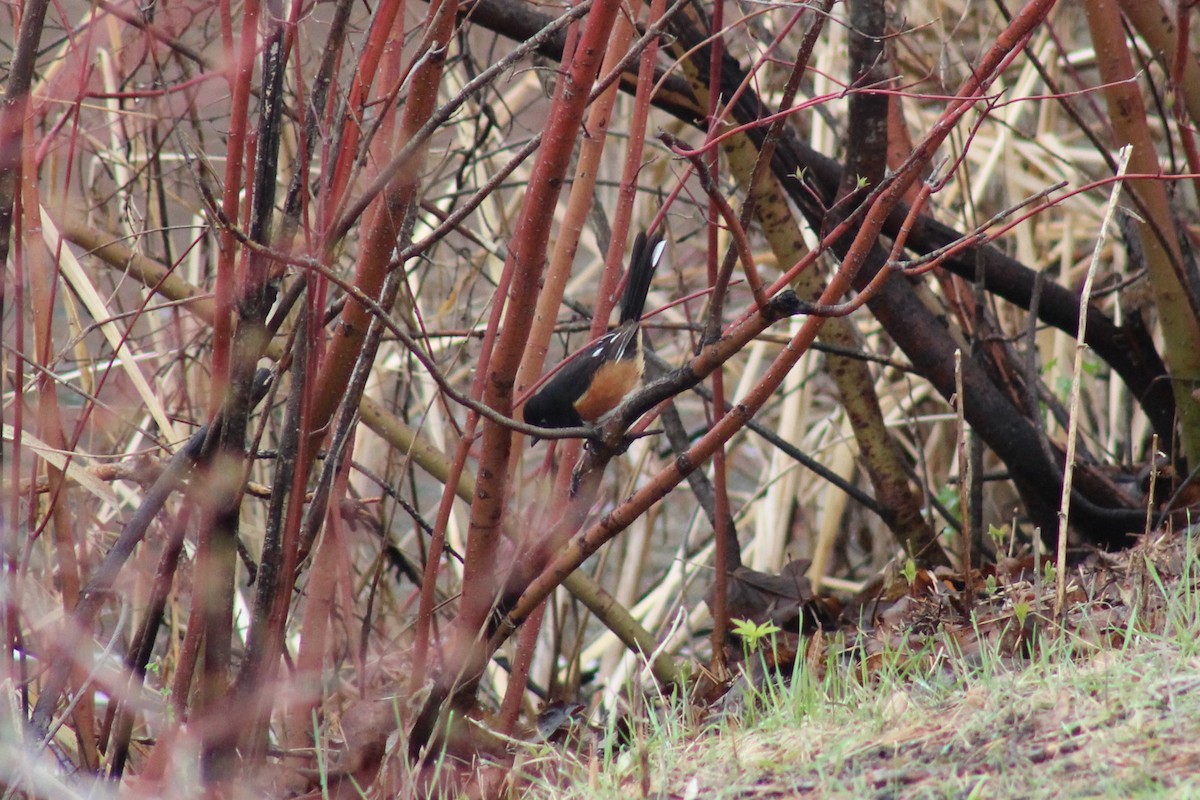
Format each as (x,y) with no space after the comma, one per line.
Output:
(594,380)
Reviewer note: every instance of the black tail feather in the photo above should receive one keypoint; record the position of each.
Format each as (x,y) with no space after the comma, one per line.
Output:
(642,263)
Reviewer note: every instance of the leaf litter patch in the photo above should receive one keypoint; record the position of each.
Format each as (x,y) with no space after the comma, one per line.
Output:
(962,684)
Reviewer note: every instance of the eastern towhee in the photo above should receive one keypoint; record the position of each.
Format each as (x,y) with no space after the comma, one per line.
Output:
(595,380)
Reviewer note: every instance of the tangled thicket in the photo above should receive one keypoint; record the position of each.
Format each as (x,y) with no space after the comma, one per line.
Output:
(279,277)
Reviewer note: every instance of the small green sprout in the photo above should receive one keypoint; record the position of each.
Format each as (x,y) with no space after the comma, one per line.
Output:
(753,633)
(998,534)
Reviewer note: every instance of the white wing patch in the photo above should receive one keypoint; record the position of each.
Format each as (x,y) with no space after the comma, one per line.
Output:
(658,252)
